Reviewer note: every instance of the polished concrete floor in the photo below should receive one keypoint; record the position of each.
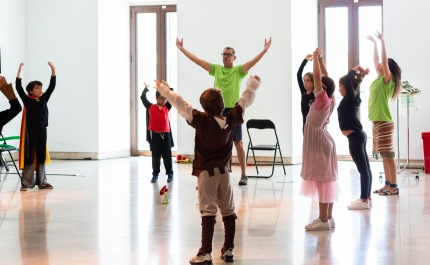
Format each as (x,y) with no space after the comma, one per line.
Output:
(111,214)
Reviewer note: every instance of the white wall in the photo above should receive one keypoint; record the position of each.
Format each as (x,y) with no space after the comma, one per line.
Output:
(407,38)
(12,43)
(114,76)
(65,32)
(304,40)
(208,28)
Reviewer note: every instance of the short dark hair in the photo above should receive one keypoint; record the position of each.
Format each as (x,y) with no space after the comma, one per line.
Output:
(31,85)
(212,101)
(356,82)
(230,48)
(157,94)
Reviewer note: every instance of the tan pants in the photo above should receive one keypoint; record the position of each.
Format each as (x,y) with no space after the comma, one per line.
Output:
(215,192)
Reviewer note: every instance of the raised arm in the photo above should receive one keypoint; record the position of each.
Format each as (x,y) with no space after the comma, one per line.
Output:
(143,97)
(300,74)
(375,54)
(52,82)
(248,95)
(184,109)
(248,65)
(324,71)
(18,84)
(204,64)
(317,73)
(18,75)
(384,59)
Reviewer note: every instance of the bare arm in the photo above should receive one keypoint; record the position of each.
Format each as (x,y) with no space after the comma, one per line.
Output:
(375,54)
(385,68)
(248,65)
(204,64)
(317,73)
(248,95)
(324,71)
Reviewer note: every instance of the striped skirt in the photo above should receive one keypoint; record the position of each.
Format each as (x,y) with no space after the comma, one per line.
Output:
(383,139)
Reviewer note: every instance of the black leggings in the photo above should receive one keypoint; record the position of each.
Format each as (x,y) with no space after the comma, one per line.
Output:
(357,147)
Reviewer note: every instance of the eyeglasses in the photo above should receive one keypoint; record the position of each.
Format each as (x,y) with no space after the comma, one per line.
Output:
(161,98)
(227,54)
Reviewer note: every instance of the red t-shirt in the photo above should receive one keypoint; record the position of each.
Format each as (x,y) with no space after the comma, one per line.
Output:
(158,118)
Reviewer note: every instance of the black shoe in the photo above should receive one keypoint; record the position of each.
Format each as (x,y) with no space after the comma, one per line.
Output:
(154,179)
(170,178)
(47,186)
(228,255)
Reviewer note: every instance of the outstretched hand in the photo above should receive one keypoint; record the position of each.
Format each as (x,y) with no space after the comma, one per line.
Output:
(51,65)
(371,38)
(146,85)
(179,43)
(158,83)
(379,35)
(256,77)
(20,66)
(316,54)
(267,44)
(309,57)
(365,72)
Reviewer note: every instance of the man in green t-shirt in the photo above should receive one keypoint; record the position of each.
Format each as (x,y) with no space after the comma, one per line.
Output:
(228,78)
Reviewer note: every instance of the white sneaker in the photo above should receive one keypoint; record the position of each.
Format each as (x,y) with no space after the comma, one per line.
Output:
(331,223)
(369,200)
(317,225)
(201,259)
(358,205)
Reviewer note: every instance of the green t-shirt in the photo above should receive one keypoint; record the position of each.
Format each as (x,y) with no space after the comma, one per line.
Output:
(229,81)
(380,93)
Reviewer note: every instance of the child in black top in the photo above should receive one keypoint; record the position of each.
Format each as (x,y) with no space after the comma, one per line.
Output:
(159,133)
(350,125)
(36,109)
(306,85)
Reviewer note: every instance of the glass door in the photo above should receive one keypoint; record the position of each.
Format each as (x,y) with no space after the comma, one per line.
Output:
(153,56)
(343,38)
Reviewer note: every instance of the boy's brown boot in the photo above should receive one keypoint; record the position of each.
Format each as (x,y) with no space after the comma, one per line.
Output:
(227,253)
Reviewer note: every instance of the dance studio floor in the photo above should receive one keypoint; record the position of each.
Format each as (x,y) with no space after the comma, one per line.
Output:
(112,214)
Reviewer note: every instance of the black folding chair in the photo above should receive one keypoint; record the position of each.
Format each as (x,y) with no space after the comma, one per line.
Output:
(263,125)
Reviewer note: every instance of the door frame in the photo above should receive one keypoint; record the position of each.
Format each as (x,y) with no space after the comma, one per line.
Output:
(161,11)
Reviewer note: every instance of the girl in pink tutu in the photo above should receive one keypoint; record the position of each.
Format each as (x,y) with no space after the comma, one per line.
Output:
(319,167)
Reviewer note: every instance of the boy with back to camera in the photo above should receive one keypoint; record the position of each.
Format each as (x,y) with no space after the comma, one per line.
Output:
(212,162)
(36,120)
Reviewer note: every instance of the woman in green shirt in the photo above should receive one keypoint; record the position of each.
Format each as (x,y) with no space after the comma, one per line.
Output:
(387,85)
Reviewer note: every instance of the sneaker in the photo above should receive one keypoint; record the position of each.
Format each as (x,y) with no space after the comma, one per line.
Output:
(370,201)
(47,186)
(200,259)
(170,178)
(24,188)
(154,179)
(318,225)
(243,180)
(228,255)
(359,205)
(332,225)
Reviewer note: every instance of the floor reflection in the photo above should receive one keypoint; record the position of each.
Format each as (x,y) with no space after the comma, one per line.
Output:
(33,224)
